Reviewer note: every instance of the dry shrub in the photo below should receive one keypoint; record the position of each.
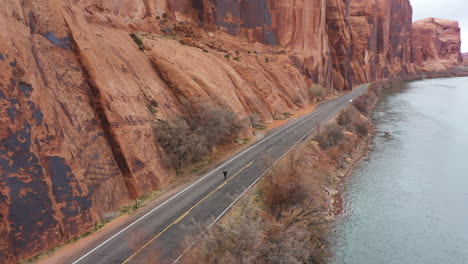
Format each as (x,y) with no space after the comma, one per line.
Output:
(188,140)
(250,238)
(290,222)
(330,136)
(317,92)
(256,122)
(365,102)
(180,143)
(233,240)
(284,186)
(334,154)
(216,124)
(285,244)
(346,146)
(345,117)
(297,100)
(376,88)
(352,120)
(361,127)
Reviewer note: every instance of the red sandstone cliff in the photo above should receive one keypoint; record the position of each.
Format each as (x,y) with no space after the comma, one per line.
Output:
(76,137)
(436,44)
(369,40)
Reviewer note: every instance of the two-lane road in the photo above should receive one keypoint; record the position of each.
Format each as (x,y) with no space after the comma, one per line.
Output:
(157,236)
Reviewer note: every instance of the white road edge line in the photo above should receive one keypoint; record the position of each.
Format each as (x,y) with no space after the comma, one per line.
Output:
(261,176)
(220,166)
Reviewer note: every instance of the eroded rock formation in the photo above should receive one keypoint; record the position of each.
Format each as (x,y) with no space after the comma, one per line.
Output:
(370,40)
(78,95)
(436,44)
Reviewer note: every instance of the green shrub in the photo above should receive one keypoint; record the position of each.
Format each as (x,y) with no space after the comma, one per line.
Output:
(138,41)
(152,109)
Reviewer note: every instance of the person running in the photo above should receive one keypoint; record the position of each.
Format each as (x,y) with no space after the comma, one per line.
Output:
(225,172)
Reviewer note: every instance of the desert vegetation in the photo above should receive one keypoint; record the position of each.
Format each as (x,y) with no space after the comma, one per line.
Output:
(256,122)
(278,224)
(365,103)
(138,41)
(317,92)
(330,137)
(287,217)
(189,139)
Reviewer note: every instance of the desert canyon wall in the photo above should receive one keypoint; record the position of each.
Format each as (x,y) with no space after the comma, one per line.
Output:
(436,44)
(465,58)
(369,40)
(78,96)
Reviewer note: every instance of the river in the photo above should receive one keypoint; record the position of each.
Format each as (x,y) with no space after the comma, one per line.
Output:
(407,203)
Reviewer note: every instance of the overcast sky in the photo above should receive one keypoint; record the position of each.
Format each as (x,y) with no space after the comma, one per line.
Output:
(448,9)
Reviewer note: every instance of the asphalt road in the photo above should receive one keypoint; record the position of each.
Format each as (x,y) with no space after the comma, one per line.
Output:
(157,236)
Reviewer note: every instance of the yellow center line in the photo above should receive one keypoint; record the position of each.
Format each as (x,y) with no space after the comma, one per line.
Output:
(186,213)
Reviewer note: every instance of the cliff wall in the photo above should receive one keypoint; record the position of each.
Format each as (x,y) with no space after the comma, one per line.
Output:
(78,96)
(436,44)
(370,40)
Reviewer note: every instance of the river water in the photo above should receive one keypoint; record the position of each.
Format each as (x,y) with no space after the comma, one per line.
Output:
(407,203)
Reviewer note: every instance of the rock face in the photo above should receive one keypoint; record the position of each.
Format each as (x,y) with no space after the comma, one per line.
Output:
(370,40)
(78,96)
(465,58)
(436,44)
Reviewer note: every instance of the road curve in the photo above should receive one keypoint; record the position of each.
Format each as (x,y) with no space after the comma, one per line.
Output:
(157,236)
